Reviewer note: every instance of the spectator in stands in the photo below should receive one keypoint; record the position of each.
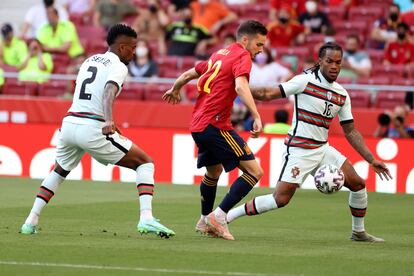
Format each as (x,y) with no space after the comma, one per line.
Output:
(37,66)
(185,38)
(285,31)
(402,50)
(13,51)
(36,17)
(1,79)
(295,7)
(151,23)
(355,63)
(143,65)
(314,20)
(175,6)
(398,119)
(59,36)
(212,15)
(79,6)
(280,126)
(266,72)
(228,39)
(385,28)
(109,12)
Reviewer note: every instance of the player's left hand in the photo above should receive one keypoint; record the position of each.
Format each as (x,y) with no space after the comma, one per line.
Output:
(172,96)
(381,169)
(257,128)
(109,128)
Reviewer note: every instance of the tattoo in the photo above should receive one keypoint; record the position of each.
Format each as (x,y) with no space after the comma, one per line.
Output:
(109,97)
(356,140)
(259,93)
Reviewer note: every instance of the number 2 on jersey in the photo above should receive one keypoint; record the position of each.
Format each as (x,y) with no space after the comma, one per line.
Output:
(216,67)
(82,94)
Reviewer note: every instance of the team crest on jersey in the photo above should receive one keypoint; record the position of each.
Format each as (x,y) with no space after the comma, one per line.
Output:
(329,95)
(295,172)
(247,149)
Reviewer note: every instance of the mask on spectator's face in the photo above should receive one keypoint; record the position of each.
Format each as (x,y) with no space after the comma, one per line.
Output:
(153,8)
(283,19)
(141,51)
(351,51)
(187,20)
(311,6)
(401,36)
(394,16)
(261,59)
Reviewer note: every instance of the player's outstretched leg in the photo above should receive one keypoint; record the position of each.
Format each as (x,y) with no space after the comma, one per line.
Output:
(358,202)
(216,220)
(46,191)
(145,185)
(261,204)
(208,189)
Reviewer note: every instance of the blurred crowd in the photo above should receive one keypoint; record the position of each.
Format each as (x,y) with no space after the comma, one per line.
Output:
(57,35)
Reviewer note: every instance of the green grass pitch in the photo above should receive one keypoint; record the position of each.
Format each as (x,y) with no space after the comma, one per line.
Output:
(89,229)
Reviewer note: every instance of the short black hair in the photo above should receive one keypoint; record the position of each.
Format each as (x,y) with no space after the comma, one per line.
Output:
(250,27)
(403,25)
(117,30)
(329,46)
(281,116)
(48,3)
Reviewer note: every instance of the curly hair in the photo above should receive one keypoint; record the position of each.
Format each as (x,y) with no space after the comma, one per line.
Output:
(117,30)
(322,52)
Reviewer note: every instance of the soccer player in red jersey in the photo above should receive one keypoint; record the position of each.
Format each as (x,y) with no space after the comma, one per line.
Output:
(220,79)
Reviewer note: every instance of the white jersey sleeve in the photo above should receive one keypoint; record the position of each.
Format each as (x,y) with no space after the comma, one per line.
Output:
(117,75)
(345,113)
(295,86)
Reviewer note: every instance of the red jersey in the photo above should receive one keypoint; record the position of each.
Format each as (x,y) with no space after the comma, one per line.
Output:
(398,53)
(216,87)
(283,35)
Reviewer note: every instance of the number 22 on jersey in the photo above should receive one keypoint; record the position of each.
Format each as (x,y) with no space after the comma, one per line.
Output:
(212,71)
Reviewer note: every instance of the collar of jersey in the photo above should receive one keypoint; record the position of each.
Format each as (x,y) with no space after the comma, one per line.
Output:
(323,80)
(113,54)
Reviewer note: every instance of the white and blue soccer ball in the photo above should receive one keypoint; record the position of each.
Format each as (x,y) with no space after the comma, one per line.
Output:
(329,179)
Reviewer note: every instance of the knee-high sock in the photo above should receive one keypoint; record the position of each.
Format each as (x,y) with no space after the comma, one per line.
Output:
(358,202)
(240,188)
(257,205)
(145,186)
(46,191)
(208,188)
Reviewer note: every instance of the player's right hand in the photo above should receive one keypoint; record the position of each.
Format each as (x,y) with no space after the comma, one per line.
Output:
(109,128)
(381,169)
(172,96)
(257,128)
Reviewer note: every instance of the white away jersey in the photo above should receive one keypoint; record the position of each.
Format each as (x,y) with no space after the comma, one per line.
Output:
(317,102)
(94,74)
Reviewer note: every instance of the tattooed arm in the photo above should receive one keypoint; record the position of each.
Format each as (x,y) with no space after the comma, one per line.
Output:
(356,140)
(266,93)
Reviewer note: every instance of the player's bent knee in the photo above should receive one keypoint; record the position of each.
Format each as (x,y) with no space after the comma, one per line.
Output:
(257,172)
(356,184)
(281,201)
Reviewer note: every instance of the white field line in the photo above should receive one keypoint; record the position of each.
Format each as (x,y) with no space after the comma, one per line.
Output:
(126,268)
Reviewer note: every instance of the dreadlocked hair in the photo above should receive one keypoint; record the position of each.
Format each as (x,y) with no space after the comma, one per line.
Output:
(322,51)
(117,30)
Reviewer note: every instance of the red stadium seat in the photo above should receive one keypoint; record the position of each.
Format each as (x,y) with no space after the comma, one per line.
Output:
(350,27)
(132,91)
(334,12)
(365,13)
(360,99)
(375,80)
(389,99)
(54,88)
(187,63)
(376,56)
(166,71)
(21,88)
(392,70)
(169,61)
(300,52)
(154,92)
(403,81)
(91,33)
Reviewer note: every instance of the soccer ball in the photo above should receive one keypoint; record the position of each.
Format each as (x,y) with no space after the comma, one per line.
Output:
(329,179)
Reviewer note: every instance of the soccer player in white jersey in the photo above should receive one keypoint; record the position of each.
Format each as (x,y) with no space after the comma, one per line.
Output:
(318,99)
(89,127)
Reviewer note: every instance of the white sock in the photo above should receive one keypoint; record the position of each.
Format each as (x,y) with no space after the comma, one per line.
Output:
(358,202)
(258,205)
(51,183)
(145,185)
(220,215)
(203,217)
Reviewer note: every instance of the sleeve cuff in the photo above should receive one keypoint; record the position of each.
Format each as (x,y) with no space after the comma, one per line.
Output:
(346,122)
(282,91)
(114,83)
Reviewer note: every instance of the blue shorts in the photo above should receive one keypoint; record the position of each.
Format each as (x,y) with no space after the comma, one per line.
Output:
(224,147)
